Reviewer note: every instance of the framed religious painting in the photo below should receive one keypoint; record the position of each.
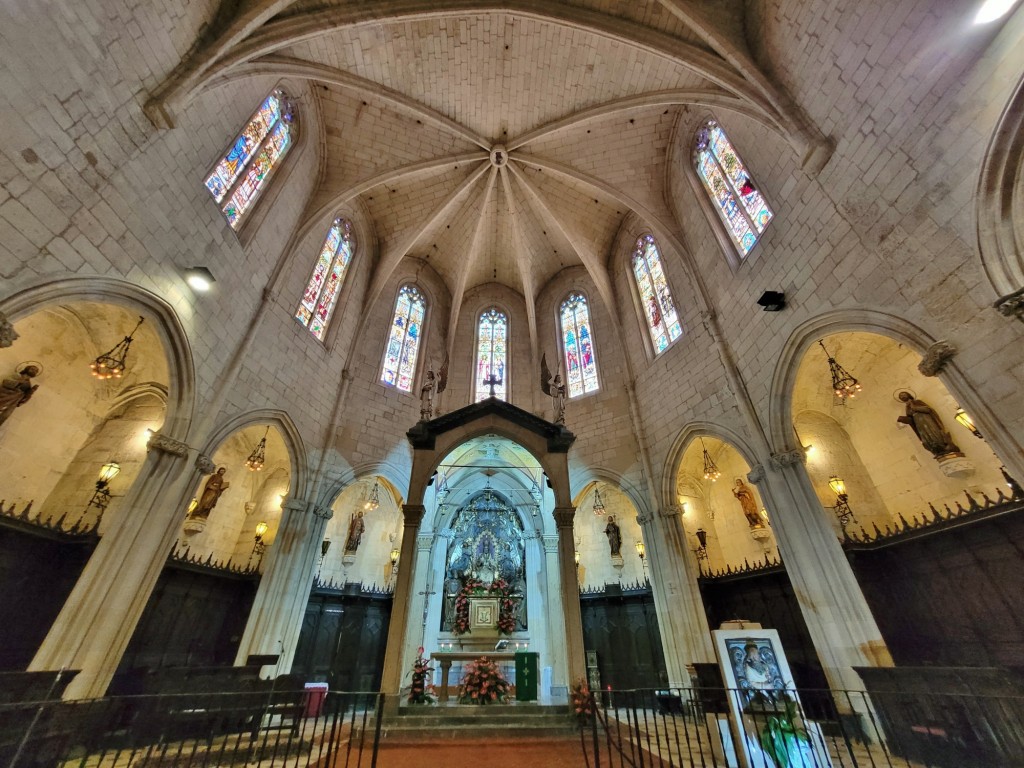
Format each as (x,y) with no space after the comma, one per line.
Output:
(766,715)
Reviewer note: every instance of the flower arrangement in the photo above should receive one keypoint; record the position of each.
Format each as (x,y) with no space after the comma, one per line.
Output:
(420,692)
(581,701)
(483,683)
(475,588)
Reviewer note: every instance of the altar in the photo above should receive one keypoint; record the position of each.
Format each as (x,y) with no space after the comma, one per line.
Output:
(504,658)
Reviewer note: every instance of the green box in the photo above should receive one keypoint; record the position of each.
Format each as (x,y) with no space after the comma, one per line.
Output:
(526,675)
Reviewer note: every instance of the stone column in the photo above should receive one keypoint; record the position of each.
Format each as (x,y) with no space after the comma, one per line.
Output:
(276,616)
(838,618)
(417,597)
(554,615)
(682,622)
(96,623)
(576,664)
(391,680)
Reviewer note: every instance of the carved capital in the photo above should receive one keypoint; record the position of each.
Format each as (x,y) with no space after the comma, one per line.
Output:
(424,541)
(1012,304)
(7,333)
(643,520)
(564,516)
(550,543)
(205,464)
(667,512)
(936,357)
(756,474)
(788,459)
(160,442)
(324,513)
(296,505)
(413,514)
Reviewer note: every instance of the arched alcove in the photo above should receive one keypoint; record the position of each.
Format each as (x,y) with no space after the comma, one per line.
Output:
(366,527)
(598,506)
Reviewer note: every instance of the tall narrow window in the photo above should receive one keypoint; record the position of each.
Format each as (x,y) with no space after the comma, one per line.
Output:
(328,276)
(404,339)
(730,187)
(241,175)
(659,309)
(578,342)
(492,354)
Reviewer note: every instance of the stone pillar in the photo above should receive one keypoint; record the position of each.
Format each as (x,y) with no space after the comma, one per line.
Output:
(276,616)
(391,680)
(683,624)
(554,616)
(576,663)
(96,623)
(838,619)
(415,628)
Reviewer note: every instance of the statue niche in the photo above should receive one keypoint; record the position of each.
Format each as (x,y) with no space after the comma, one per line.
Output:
(487,545)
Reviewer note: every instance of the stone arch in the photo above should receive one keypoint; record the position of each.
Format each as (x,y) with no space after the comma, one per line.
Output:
(687,435)
(1000,196)
(289,433)
(580,479)
(181,370)
(782,437)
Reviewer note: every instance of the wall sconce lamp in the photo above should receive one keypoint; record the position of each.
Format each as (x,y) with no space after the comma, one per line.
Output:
(259,546)
(101,496)
(772,301)
(199,278)
(842,506)
(965,421)
(394,560)
(702,544)
(641,552)
(576,557)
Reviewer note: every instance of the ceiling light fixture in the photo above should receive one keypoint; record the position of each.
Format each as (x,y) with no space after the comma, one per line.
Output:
(843,383)
(374,501)
(598,503)
(258,457)
(111,364)
(200,278)
(711,471)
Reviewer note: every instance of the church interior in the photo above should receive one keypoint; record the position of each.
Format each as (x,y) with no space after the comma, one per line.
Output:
(320,319)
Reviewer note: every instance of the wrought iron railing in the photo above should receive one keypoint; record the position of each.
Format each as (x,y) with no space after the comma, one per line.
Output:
(56,527)
(294,728)
(806,729)
(184,556)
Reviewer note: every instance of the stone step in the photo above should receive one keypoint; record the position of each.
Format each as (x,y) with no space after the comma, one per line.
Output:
(431,723)
(475,732)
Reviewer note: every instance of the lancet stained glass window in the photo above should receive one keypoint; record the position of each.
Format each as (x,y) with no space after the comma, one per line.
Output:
(492,354)
(241,175)
(404,339)
(659,309)
(328,276)
(578,343)
(728,183)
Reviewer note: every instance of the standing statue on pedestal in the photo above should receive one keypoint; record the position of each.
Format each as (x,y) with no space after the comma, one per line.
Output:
(745,496)
(17,390)
(355,532)
(215,486)
(927,425)
(614,537)
(434,383)
(553,387)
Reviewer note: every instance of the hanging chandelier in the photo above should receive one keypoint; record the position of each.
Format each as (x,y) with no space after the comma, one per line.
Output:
(111,365)
(374,501)
(843,384)
(258,457)
(711,471)
(598,503)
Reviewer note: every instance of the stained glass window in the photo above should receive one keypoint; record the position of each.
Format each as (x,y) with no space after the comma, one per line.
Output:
(328,276)
(728,183)
(578,343)
(404,339)
(242,173)
(492,354)
(659,309)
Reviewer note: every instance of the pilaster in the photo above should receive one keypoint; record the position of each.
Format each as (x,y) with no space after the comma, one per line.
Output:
(391,680)
(576,664)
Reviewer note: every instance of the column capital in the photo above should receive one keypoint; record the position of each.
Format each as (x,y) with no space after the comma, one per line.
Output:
(564,516)
(935,358)
(296,505)
(161,442)
(324,513)
(7,333)
(424,541)
(643,520)
(205,464)
(672,510)
(756,474)
(413,514)
(788,458)
(550,543)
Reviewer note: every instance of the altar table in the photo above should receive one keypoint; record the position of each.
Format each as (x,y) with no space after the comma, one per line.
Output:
(445,659)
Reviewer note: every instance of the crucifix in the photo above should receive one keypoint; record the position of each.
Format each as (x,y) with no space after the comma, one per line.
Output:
(492,381)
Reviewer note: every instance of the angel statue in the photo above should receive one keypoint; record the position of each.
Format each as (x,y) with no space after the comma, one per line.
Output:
(553,387)
(434,383)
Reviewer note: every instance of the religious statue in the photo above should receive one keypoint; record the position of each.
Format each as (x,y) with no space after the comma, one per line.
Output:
(215,486)
(614,537)
(553,387)
(745,496)
(434,383)
(927,426)
(17,390)
(355,532)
